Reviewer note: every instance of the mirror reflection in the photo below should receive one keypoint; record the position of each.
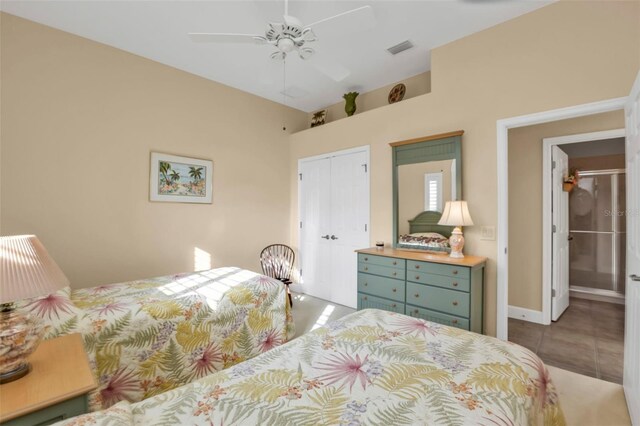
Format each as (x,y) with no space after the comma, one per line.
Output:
(424,187)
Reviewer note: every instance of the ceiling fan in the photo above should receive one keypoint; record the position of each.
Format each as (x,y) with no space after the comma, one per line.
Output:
(292,36)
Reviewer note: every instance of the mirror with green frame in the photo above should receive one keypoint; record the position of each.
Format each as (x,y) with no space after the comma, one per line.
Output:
(427,172)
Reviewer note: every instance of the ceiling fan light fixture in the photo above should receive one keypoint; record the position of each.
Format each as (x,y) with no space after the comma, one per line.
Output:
(278,56)
(306,52)
(286,45)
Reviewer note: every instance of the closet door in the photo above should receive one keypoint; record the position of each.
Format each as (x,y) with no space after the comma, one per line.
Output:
(334,222)
(349,223)
(315,222)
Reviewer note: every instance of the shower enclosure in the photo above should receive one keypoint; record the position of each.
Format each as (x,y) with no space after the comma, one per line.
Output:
(597,230)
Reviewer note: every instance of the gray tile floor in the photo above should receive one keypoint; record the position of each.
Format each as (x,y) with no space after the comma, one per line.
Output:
(587,339)
(310,312)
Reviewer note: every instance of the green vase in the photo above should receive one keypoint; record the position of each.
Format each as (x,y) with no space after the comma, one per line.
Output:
(350,103)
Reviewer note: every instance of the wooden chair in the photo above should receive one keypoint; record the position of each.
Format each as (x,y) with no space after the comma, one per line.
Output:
(277,262)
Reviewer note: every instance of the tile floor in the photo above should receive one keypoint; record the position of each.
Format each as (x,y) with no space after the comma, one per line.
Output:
(587,339)
(310,312)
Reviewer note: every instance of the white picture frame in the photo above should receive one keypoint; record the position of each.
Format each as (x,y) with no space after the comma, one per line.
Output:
(179,179)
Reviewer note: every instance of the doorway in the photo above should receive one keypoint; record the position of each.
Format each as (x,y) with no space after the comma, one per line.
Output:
(334,222)
(585,214)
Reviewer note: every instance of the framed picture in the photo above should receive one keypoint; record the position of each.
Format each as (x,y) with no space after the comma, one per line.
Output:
(319,118)
(180,179)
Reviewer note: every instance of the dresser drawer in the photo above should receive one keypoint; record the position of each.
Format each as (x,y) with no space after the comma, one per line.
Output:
(438,317)
(390,262)
(461,272)
(381,270)
(460,284)
(381,286)
(439,299)
(366,301)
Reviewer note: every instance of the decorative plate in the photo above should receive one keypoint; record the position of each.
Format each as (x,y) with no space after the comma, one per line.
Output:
(397,93)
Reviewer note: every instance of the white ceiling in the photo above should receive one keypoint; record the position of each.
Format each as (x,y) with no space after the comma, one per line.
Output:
(158,30)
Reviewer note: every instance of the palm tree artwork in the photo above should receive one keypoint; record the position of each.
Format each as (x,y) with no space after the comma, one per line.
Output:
(165,168)
(195,173)
(172,179)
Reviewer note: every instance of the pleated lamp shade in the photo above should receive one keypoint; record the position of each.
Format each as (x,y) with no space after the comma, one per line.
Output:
(27,270)
(456,213)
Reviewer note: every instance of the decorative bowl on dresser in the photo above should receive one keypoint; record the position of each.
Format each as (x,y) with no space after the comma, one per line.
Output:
(424,285)
(55,390)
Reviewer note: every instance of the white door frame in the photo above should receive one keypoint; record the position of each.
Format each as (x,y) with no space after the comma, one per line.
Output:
(502,129)
(547,255)
(364,148)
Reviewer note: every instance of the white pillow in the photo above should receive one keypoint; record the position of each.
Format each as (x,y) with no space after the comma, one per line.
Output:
(428,235)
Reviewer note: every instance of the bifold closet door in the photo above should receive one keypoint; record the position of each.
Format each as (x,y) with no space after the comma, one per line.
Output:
(334,215)
(315,223)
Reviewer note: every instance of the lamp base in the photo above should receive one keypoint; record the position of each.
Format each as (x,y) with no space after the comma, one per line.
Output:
(16,374)
(456,241)
(20,335)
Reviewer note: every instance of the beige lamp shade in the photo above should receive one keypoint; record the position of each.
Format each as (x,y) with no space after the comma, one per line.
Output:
(456,213)
(27,270)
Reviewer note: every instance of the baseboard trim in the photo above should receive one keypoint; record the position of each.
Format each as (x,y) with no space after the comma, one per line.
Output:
(525,314)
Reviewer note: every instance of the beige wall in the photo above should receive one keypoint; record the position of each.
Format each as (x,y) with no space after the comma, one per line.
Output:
(564,54)
(411,189)
(525,200)
(79,120)
(416,86)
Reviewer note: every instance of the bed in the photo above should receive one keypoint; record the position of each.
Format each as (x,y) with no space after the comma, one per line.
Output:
(370,367)
(426,234)
(148,336)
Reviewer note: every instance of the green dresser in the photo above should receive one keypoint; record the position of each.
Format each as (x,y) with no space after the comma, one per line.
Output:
(433,287)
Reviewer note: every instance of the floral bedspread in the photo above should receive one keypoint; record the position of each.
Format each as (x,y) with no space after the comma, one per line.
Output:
(148,336)
(371,367)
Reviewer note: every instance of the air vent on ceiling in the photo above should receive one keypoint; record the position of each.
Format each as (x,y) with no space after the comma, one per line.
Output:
(400,47)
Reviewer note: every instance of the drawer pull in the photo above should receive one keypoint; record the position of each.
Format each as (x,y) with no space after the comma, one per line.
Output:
(417,277)
(455,303)
(366,258)
(415,311)
(417,295)
(455,284)
(366,284)
(365,298)
(394,305)
(417,266)
(395,289)
(454,322)
(395,263)
(366,269)
(455,272)
(395,273)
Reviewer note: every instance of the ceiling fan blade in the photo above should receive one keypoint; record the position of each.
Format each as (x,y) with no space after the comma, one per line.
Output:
(227,38)
(329,67)
(359,19)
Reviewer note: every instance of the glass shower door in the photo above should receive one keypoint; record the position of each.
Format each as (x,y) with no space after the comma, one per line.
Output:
(597,233)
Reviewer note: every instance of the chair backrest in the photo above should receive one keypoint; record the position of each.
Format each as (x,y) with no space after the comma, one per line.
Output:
(277,261)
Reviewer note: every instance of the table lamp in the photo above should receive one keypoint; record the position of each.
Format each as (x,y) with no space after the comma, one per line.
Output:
(456,213)
(26,271)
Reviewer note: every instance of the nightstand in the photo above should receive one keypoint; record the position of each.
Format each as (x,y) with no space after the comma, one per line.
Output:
(54,390)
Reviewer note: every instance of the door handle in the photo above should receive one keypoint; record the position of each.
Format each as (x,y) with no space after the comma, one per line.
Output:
(333,237)
(634,277)
(326,237)
(570,238)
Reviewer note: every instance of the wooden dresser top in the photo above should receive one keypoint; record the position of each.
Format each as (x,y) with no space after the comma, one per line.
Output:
(469,261)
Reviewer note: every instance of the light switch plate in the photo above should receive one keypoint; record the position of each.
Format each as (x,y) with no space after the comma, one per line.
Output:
(488,233)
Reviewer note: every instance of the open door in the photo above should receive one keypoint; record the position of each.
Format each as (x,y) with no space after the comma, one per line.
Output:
(560,238)
(631,380)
